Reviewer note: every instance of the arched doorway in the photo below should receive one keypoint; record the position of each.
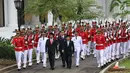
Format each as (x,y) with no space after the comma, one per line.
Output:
(2,13)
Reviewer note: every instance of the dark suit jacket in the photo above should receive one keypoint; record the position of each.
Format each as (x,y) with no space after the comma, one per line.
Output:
(69,49)
(61,43)
(51,48)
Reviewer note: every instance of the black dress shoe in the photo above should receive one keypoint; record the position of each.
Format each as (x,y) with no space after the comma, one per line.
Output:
(19,69)
(69,67)
(52,68)
(63,65)
(82,59)
(77,66)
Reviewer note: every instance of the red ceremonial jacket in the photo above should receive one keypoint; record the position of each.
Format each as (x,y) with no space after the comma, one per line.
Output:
(123,35)
(92,33)
(84,37)
(99,39)
(36,38)
(30,41)
(18,42)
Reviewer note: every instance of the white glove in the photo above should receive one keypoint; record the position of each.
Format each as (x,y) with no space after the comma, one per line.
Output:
(32,41)
(62,51)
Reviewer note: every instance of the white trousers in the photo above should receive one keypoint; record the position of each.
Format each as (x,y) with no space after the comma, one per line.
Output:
(113,50)
(30,55)
(106,55)
(18,56)
(117,51)
(44,58)
(100,57)
(83,53)
(124,48)
(110,55)
(89,46)
(129,46)
(77,55)
(25,57)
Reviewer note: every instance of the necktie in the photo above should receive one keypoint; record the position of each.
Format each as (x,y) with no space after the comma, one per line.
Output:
(51,41)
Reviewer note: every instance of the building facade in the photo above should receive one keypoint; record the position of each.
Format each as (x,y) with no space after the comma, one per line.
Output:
(8,16)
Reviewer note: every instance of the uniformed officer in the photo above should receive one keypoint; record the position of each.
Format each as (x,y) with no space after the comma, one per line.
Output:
(18,44)
(30,45)
(41,49)
(78,47)
(99,40)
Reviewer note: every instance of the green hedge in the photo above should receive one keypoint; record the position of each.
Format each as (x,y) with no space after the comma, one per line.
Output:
(6,50)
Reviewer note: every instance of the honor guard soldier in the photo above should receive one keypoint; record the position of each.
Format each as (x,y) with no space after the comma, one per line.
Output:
(18,44)
(84,37)
(70,30)
(30,45)
(36,38)
(88,27)
(99,40)
(24,37)
(124,39)
(92,33)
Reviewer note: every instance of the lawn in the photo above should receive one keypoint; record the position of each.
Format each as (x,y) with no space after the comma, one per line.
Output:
(125,63)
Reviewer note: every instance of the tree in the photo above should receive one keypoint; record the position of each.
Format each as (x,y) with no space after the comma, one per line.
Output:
(122,4)
(65,9)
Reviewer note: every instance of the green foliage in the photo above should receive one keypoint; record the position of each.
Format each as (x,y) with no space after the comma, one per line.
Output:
(125,63)
(6,50)
(122,5)
(68,9)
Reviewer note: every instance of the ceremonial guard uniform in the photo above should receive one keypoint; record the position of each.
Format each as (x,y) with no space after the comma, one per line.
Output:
(117,51)
(124,40)
(36,38)
(99,40)
(18,43)
(84,37)
(92,33)
(30,46)
(25,49)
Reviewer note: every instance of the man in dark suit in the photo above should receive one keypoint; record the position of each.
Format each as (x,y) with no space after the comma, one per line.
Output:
(51,47)
(68,50)
(61,40)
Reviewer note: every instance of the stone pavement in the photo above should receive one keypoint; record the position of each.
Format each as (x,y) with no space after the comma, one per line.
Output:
(88,65)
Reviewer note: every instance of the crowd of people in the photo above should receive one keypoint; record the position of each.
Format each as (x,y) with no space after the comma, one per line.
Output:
(107,41)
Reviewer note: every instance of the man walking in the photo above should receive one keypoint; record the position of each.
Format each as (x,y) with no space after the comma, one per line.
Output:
(68,50)
(78,47)
(51,47)
(41,49)
(61,40)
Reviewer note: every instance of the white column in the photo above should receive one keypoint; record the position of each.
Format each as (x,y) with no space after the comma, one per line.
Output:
(12,14)
(6,12)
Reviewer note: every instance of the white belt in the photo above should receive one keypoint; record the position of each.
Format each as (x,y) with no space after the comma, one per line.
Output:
(99,44)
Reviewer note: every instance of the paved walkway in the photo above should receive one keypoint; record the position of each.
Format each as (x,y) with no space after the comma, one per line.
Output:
(87,66)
